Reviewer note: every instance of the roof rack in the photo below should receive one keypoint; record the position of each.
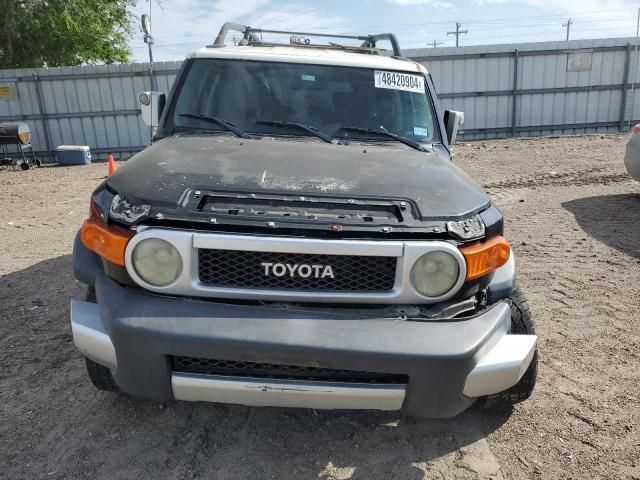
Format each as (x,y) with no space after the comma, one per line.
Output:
(253,36)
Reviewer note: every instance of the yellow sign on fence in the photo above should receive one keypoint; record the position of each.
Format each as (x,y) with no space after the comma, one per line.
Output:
(8,91)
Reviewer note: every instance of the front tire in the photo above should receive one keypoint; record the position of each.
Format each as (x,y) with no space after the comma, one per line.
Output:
(521,324)
(100,376)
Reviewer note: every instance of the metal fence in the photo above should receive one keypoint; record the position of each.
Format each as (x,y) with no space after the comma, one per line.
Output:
(92,105)
(552,88)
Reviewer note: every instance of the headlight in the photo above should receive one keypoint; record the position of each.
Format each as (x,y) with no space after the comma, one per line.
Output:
(435,273)
(126,212)
(157,262)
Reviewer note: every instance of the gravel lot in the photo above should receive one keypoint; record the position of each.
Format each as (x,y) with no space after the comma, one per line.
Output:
(573,217)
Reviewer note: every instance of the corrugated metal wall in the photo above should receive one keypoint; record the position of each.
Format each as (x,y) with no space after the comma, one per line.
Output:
(561,88)
(97,106)
(93,105)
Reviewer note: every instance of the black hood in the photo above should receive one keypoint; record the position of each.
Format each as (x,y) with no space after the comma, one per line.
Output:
(161,174)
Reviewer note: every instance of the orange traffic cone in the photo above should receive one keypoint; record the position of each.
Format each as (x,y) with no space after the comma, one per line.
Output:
(111,164)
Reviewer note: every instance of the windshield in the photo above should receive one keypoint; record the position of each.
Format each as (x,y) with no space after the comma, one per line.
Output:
(252,95)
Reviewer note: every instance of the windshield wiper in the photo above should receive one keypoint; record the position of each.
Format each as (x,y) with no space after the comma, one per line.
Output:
(384,133)
(307,128)
(218,121)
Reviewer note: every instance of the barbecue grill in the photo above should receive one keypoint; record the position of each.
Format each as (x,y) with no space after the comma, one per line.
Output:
(18,134)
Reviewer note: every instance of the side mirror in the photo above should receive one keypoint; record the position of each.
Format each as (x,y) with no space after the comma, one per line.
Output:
(151,105)
(453,120)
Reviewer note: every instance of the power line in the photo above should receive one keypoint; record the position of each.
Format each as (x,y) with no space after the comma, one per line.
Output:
(506,23)
(509,39)
(509,23)
(457,33)
(530,30)
(597,13)
(417,41)
(526,37)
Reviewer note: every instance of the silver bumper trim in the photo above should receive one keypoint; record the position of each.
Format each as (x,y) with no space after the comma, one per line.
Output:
(90,334)
(286,393)
(188,282)
(502,366)
(298,245)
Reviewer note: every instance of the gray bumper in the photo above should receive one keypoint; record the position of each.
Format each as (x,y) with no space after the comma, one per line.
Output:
(448,363)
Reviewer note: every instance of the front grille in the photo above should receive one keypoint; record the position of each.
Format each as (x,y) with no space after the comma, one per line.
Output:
(232,368)
(243,269)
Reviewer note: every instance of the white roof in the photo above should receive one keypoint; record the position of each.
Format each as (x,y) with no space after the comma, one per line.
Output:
(308,55)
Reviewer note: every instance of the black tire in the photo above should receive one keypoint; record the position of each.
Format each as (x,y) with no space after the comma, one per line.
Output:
(101,377)
(521,324)
(25,166)
(90,296)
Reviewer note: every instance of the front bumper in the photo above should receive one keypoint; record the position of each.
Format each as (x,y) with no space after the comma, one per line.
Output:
(448,363)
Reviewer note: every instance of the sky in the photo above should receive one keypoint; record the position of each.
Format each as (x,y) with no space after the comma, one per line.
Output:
(181,26)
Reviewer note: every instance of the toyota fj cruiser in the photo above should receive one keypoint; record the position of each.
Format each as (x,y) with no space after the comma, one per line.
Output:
(297,235)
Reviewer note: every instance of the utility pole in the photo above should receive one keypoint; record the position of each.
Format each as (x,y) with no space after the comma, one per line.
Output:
(148,39)
(568,27)
(457,33)
(435,44)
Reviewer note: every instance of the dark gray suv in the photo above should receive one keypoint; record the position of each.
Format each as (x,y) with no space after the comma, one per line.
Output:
(298,236)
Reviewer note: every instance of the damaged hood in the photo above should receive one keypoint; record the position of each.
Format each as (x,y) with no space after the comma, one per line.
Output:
(160,175)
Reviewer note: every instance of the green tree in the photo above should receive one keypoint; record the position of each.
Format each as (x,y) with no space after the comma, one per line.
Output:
(54,33)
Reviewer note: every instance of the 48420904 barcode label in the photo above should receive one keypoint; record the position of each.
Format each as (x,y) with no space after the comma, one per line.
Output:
(399,81)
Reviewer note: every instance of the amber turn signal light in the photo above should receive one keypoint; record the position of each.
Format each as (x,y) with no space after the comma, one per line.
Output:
(484,257)
(107,241)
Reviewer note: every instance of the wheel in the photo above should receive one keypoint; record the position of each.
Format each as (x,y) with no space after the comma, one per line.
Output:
(24,165)
(521,324)
(90,296)
(101,377)
(38,162)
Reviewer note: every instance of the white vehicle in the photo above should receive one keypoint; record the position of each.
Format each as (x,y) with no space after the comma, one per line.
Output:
(632,157)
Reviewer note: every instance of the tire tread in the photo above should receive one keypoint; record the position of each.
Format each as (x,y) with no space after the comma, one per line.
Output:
(100,376)
(521,324)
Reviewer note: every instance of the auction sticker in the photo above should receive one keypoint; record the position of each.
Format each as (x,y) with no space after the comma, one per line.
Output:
(399,81)
(421,131)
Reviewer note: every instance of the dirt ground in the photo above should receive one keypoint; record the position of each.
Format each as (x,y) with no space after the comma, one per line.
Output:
(573,217)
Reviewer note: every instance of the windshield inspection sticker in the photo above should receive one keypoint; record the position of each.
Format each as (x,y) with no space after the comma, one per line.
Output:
(421,131)
(308,78)
(399,81)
